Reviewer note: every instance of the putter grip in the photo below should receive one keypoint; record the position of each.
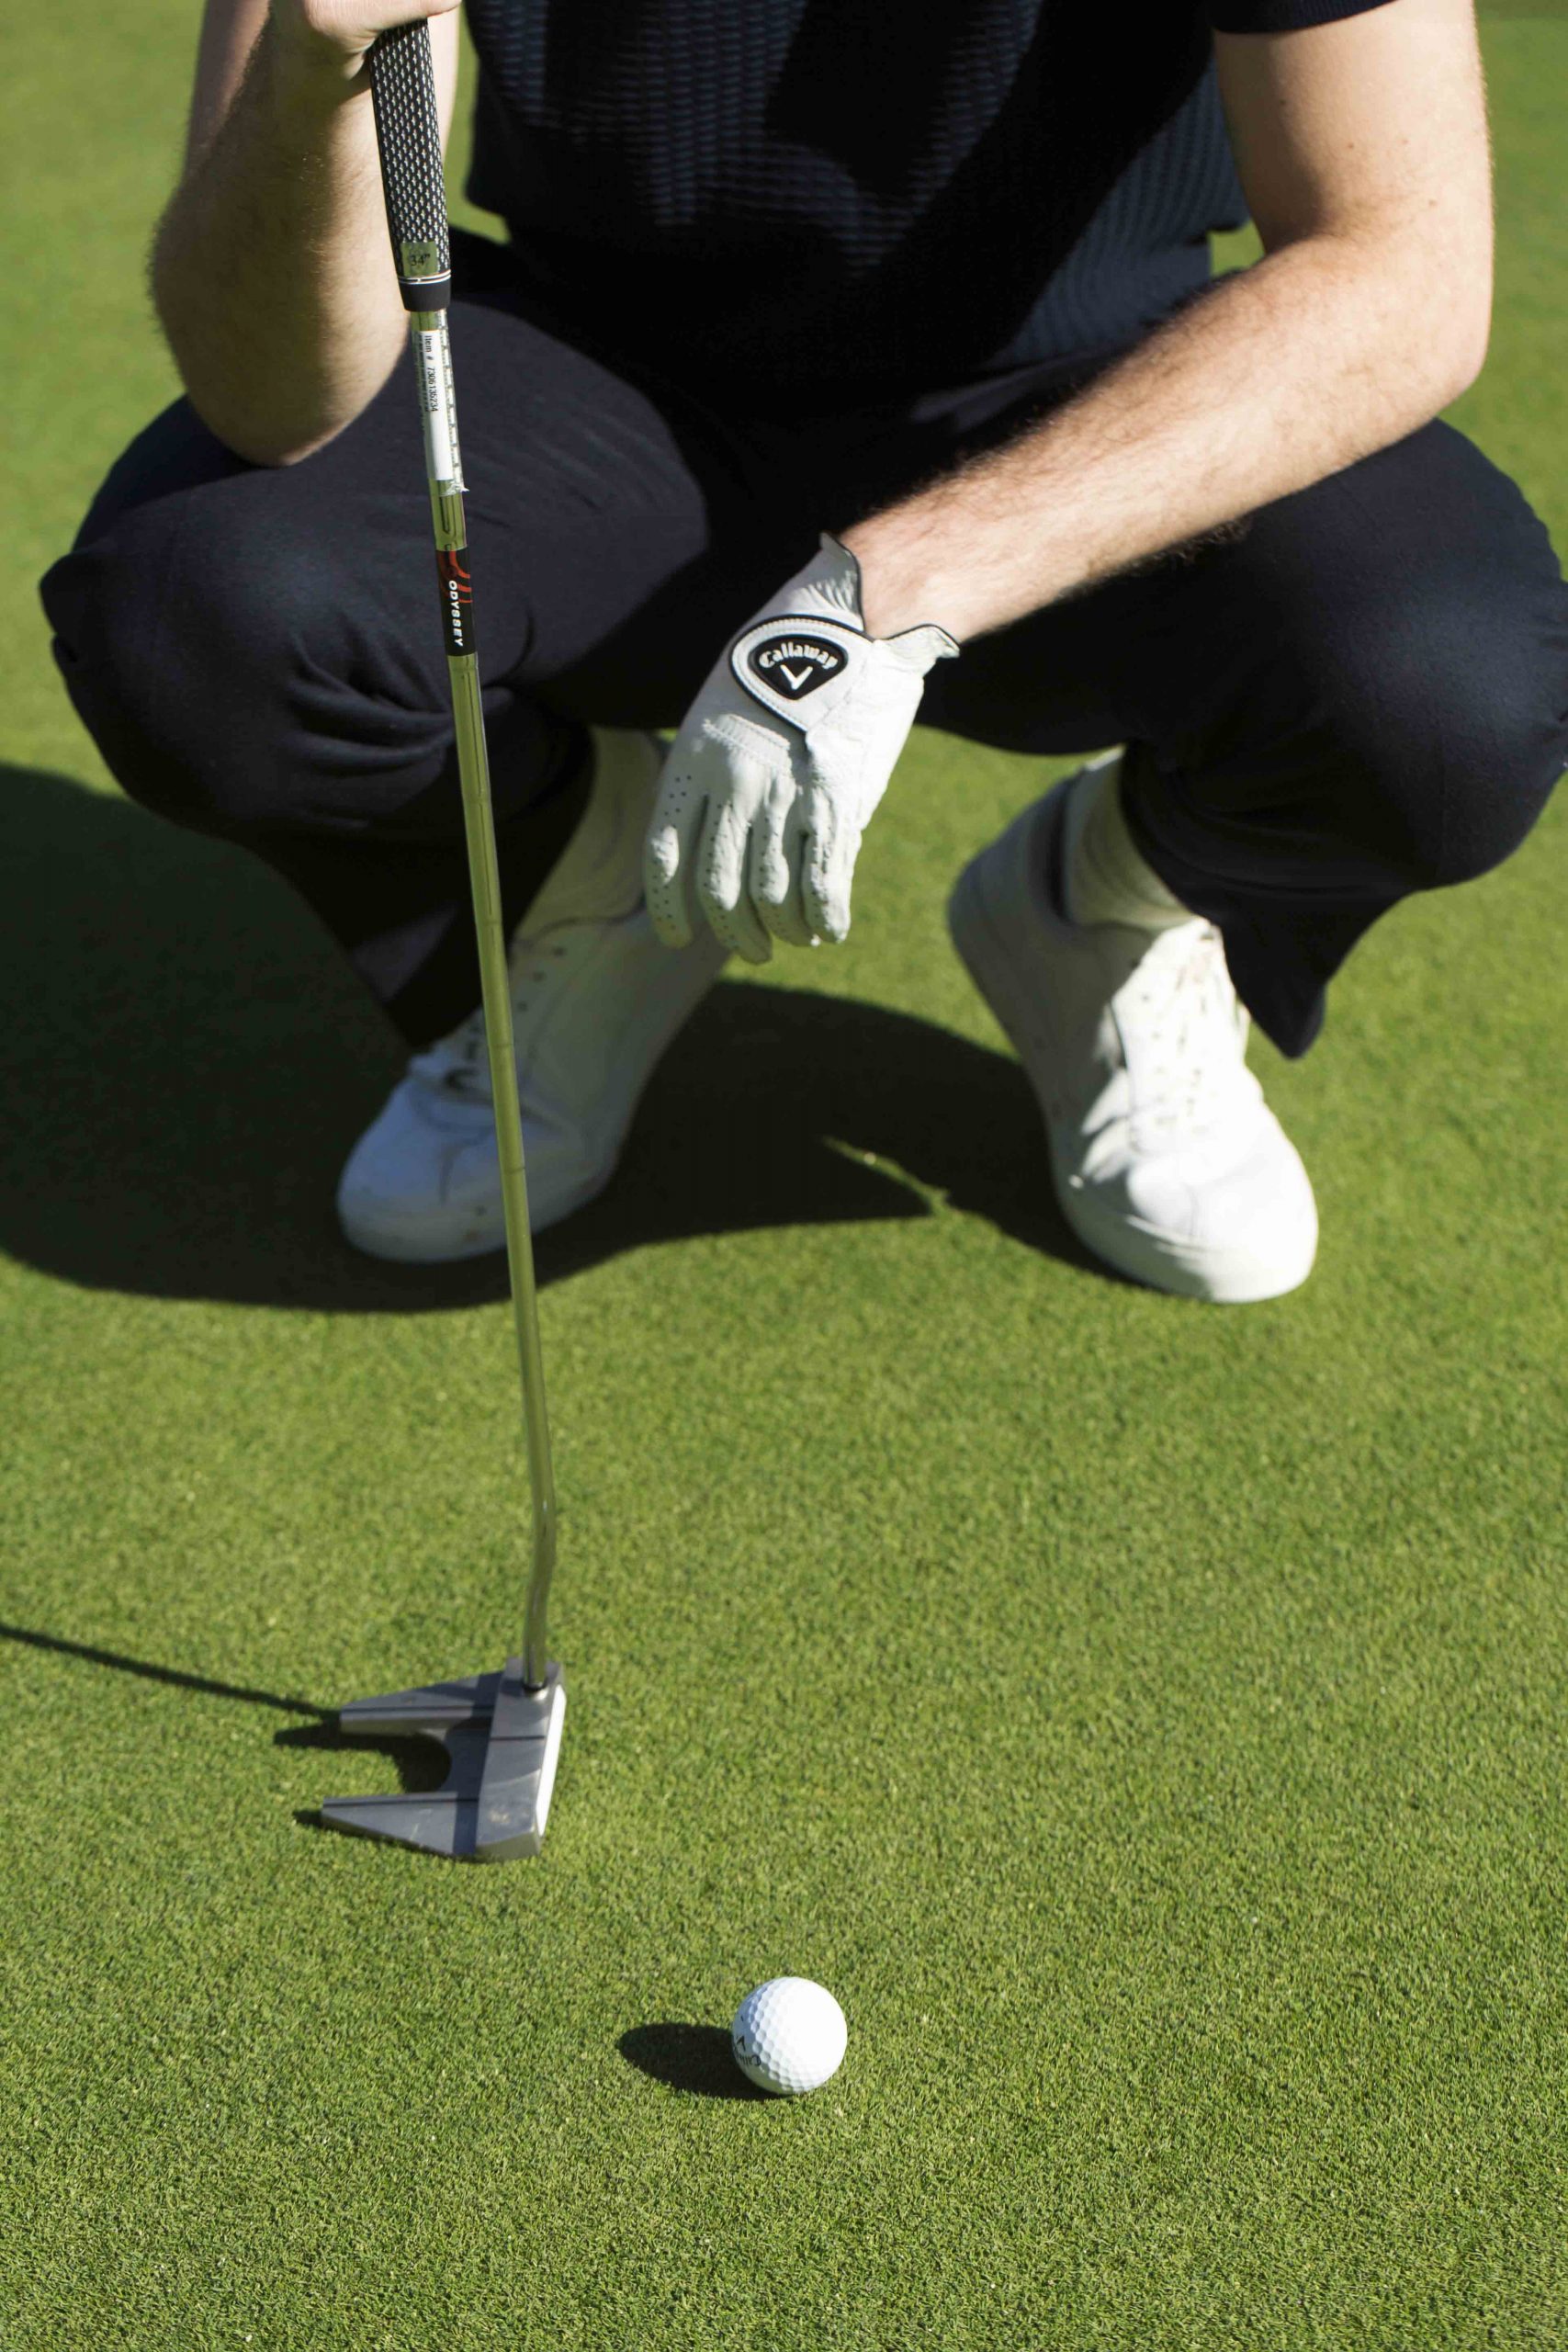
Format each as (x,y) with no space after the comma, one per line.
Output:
(408,133)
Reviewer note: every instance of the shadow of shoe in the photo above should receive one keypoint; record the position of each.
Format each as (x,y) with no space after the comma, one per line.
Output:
(189,1061)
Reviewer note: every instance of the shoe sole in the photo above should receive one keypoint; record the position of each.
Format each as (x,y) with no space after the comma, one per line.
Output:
(1159,1260)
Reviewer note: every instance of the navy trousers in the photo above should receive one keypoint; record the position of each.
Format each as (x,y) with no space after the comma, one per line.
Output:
(1358,692)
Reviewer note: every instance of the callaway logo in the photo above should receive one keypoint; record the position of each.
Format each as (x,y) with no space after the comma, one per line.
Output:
(793,665)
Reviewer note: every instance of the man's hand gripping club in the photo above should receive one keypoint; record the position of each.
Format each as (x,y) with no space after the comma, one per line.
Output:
(779,765)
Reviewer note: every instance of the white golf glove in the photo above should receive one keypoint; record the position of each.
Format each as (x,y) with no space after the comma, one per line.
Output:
(779,764)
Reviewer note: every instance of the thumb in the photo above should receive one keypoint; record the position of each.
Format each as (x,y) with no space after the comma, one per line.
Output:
(350,28)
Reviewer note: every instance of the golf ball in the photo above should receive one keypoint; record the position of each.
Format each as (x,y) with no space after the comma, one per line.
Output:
(789,2035)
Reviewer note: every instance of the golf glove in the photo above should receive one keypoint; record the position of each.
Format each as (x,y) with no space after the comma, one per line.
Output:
(779,765)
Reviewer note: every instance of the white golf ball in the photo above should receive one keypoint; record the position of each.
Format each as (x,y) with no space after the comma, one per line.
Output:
(789,2035)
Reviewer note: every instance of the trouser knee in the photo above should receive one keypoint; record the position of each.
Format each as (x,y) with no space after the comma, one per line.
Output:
(172,658)
(1453,721)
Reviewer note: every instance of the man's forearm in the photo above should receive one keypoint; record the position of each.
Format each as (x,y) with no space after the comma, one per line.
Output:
(1277,377)
(271,269)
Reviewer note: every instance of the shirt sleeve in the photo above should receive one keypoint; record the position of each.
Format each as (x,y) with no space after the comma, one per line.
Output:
(1284,15)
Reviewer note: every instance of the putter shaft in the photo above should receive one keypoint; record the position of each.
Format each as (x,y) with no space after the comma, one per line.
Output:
(408,133)
(473,768)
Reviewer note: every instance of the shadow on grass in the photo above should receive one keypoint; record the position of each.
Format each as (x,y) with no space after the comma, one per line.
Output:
(421,1764)
(174,1675)
(188,1061)
(689,2058)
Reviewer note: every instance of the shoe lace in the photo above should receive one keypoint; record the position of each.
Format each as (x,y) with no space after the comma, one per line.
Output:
(1192,1030)
(460,1063)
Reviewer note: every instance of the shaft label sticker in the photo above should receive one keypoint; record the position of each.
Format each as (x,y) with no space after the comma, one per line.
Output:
(432,365)
(457,599)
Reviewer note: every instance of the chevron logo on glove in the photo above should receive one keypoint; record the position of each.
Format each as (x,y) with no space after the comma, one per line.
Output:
(793,665)
(785,661)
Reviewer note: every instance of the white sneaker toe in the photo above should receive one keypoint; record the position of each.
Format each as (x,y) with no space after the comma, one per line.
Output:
(1166,1160)
(595,1000)
(423,1181)
(1188,1224)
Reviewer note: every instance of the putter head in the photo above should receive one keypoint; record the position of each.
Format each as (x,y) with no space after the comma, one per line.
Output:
(503,1739)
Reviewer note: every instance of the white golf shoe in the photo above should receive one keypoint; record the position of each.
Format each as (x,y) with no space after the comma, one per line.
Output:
(595,999)
(1166,1160)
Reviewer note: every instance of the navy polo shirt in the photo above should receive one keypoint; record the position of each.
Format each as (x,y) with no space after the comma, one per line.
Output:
(817,204)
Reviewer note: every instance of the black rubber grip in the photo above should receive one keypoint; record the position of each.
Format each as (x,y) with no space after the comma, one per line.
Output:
(408,133)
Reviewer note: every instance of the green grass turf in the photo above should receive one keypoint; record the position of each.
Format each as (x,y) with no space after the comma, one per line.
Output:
(1149,1721)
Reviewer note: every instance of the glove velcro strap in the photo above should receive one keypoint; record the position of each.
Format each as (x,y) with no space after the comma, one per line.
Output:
(799,666)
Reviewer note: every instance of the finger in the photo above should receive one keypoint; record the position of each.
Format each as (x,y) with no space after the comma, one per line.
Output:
(670,853)
(778,852)
(828,866)
(721,864)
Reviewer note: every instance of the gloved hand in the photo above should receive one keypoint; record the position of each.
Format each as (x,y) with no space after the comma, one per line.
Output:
(779,764)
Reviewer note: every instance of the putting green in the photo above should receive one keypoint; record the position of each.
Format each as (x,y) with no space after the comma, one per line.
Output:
(1149,1721)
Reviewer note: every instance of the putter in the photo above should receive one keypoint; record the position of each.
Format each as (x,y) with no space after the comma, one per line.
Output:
(502,1730)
